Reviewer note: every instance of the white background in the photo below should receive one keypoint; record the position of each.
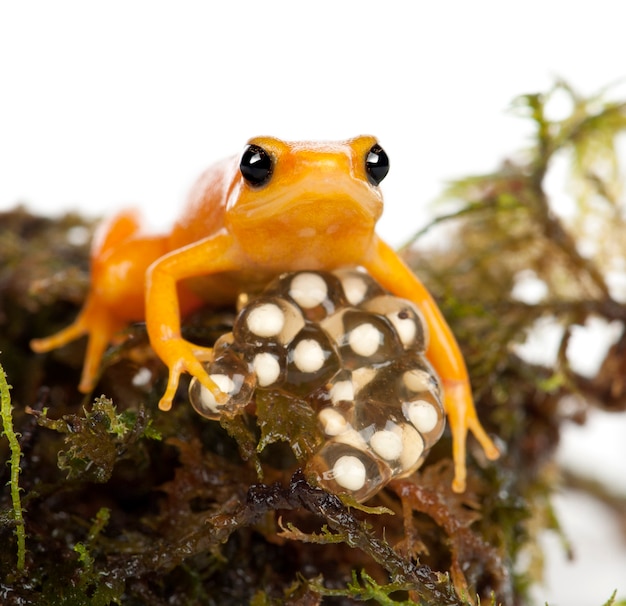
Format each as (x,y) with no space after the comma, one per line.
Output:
(108,104)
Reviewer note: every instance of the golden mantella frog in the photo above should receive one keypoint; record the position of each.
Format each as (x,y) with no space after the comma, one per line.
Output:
(280,206)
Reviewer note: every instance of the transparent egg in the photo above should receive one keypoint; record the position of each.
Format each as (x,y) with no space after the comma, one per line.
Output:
(372,413)
(316,294)
(344,468)
(340,389)
(225,343)
(362,377)
(329,395)
(363,339)
(233,377)
(269,364)
(387,443)
(404,316)
(335,420)
(412,374)
(380,426)
(414,451)
(267,319)
(420,394)
(357,285)
(390,436)
(312,360)
(426,414)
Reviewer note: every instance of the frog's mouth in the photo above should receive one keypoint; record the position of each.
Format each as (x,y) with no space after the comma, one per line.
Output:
(312,205)
(315,229)
(319,216)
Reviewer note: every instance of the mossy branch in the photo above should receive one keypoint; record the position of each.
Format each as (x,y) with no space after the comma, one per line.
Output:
(431,587)
(14,462)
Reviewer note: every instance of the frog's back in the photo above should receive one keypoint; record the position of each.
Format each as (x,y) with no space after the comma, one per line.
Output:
(203,214)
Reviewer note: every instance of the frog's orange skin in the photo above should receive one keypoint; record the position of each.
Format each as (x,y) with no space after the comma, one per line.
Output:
(317,211)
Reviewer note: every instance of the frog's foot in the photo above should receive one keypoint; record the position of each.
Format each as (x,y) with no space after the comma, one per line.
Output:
(462,417)
(490,449)
(181,356)
(72,332)
(96,322)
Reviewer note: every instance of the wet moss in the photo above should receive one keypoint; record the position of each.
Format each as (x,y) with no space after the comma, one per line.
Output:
(124,504)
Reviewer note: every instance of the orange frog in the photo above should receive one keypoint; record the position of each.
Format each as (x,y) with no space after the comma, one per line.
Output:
(279,207)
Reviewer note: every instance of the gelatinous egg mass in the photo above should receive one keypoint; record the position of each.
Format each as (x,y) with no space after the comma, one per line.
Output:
(355,354)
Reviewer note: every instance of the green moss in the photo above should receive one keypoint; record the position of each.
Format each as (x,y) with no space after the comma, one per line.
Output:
(99,439)
(289,420)
(14,462)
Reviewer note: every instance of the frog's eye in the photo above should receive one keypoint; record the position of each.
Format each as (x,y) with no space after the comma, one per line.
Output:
(376,164)
(256,165)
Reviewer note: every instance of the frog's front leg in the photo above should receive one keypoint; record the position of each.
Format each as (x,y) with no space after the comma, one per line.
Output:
(209,256)
(443,352)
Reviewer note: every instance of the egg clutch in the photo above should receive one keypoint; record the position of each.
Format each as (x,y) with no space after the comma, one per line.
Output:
(279,207)
(355,354)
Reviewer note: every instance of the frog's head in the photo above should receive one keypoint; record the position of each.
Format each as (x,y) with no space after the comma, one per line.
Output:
(307,204)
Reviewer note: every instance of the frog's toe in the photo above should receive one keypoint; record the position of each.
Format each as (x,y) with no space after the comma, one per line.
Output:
(458,483)
(490,449)
(87,381)
(220,396)
(63,337)
(41,345)
(165,403)
(203,354)
(192,366)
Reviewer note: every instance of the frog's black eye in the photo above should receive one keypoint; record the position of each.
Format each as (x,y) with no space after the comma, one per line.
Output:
(376,164)
(256,165)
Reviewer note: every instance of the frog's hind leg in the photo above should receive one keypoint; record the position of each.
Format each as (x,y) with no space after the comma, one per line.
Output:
(113,233)
(119,260)
(444,354)
(98,325)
